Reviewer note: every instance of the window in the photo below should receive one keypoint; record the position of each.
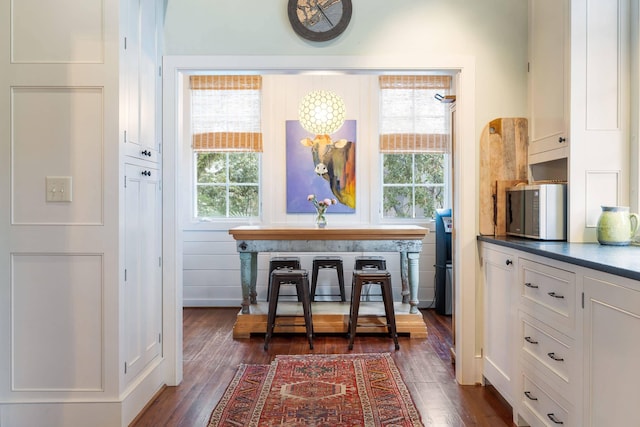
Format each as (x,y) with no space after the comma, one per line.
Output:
(227,142)
(415,145)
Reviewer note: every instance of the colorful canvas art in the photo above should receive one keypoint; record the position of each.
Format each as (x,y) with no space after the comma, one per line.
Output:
(321,165)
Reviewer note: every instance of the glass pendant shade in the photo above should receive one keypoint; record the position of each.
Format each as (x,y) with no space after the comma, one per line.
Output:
(322,112)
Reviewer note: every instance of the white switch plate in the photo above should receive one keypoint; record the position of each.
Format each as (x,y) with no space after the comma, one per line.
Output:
(59,188)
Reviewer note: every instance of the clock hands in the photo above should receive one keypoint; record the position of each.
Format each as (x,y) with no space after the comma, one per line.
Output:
(324,14)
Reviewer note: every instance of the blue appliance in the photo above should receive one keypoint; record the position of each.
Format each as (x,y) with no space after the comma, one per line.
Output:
(443,296)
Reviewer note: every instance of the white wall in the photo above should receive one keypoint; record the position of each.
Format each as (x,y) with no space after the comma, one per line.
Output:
(492,31)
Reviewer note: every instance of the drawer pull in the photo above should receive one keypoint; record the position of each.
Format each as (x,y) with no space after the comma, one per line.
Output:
(553,356)
(508,262)
(553,418)
(553,294)
(531,285)
(528,394)
(530,340)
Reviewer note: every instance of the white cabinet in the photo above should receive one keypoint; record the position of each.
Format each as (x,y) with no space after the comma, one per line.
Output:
(500,291)
(142,288)
(549,366)
(548,80)
(611,350)
(576,340)
(142,79)
(141,87)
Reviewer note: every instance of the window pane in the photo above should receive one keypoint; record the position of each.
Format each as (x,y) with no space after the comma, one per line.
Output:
(428,199)
(397,168)
(244,201)
(398,202)
(243,167)
(211,168)
(429,168)
(211,201)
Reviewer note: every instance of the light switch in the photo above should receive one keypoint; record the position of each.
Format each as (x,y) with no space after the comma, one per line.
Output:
(58,188)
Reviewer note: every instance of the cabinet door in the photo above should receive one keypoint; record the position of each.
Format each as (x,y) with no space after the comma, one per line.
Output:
(611,353)
(548,79)
(500,286)
(143,80)
(142,291)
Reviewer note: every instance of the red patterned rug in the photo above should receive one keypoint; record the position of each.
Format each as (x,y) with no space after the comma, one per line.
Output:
(363,390)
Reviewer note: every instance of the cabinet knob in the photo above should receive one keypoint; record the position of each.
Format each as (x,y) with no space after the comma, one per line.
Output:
(508,262)
(562,139)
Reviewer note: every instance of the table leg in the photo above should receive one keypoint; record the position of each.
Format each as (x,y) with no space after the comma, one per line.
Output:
(414,270)
(248,275)
(404,277)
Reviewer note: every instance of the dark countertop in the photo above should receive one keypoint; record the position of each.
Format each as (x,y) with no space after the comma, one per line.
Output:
(619,260)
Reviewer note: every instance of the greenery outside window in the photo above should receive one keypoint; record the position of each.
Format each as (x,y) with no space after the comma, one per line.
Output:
(415,146)
(227,143)
(227,185)
(413,185)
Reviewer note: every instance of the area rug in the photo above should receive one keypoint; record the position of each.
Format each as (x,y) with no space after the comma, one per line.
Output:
(363,390)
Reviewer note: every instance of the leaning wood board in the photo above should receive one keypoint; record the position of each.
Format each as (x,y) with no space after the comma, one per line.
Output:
(503,157)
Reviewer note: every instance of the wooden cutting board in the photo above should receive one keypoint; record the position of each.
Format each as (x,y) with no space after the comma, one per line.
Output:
(503,163)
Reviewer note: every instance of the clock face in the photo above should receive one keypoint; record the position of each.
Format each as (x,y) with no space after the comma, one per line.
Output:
(319,20)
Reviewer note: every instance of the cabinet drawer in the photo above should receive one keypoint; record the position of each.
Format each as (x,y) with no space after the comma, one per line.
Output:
(548,293)
(541,407)
(505,260)
(546,348)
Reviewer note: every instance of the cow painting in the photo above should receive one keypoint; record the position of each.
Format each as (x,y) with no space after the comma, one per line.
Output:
(336,163)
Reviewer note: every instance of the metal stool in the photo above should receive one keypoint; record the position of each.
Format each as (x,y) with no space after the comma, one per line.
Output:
(363,262)
(300,279)
(279,262)
(370,262)
(334,262)
(372,277)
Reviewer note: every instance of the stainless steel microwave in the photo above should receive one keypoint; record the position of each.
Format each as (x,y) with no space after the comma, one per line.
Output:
(537,211)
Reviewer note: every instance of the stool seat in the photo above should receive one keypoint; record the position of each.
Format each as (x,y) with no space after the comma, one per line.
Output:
(370,262)
(363,262)
(372,277)
(279,262)
(334,262)
(300,279)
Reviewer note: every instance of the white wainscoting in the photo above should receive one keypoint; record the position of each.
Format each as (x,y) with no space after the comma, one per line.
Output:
(57,322)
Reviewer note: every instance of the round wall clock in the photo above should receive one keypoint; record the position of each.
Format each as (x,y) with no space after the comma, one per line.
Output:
(319,20)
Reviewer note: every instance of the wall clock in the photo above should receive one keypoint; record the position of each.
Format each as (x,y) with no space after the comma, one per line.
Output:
(319,20)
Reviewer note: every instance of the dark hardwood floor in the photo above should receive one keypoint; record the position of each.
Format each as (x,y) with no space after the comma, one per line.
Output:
(211,357)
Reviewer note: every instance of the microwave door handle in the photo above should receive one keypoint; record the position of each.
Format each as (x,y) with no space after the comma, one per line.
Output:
(509,208)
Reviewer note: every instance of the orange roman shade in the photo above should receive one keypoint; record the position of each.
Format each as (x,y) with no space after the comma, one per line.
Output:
(411,119)
(225,115)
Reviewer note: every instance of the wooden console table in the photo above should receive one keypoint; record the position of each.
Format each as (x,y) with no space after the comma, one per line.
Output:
(404,239)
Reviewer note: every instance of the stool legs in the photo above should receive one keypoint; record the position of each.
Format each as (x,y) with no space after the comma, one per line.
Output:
(387,297)
(356,290)
(301,281)
(383,279)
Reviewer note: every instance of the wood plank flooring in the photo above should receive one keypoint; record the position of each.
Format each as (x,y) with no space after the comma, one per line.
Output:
(211,357)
